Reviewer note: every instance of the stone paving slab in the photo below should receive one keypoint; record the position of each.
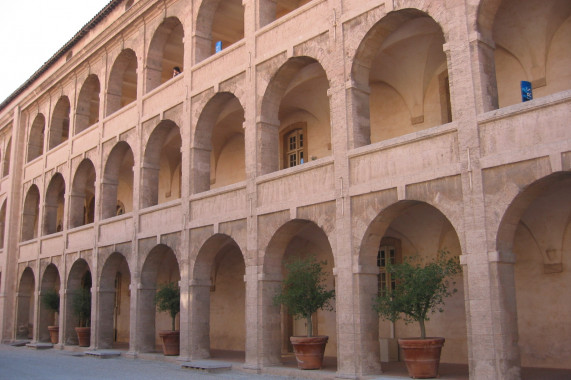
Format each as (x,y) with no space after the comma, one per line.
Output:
(19,343)
(210,366)
(103,354)
(40,346)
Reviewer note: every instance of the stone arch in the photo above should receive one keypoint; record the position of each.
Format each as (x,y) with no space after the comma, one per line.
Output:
(25,305)
(166,51)
(81,205)
(36,138)
(297,91)
(87,111)
(413,228)
(295,238)
(122,85)
(6,161)
(161,165)
(220,122)
(161,266)
(117,185)
(79,277)
(217,20)
(219,297)
(2,223)
(59,127)
(113,318)
(50,282)
(537,52)
(30,214)
(388,99)
(534,248)
(54,205)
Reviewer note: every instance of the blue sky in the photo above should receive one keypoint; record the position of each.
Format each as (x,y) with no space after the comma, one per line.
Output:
(32,31)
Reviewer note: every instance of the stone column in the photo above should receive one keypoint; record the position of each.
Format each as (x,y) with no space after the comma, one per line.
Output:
(269,321)
(484,68)
(199,321)
(267,142)
(359,123)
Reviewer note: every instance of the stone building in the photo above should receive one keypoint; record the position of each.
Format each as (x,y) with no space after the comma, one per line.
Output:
(357,131)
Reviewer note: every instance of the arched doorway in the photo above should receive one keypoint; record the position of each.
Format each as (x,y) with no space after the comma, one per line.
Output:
(160,267)
(50,283)
(297,238)
(79,279)
(219,295)
(114,295)
(25,308)
(409,229)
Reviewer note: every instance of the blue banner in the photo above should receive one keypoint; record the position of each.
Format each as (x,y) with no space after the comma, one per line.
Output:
(526,91)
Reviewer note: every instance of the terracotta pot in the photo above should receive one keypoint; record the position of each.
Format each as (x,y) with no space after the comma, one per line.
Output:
(83,336)
(171,342)
(422,356)
(309,350)
(54,334)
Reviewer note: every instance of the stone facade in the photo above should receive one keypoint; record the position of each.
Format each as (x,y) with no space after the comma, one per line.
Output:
(339,128)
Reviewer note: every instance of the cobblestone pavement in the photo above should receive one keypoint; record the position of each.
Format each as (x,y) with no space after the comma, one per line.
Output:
(22,363)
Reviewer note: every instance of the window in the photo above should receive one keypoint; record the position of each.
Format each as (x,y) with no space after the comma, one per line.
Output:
(294,145)
(389,252)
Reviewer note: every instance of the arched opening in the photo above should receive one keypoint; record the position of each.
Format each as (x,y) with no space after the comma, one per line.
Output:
(160,267)
(219,299)
(59,127)
(87,111)
(400,78)
(122,88)
(79,280)
(50,283)
(409,229)
(296,239)
(538,51)
(161,169)
(2,223)
(6,162)
(219,150)
(82,199)
(166,52)
(295,116)
(30,214)
(271,10)
(36,138)
(114,297)
(25,305)
(54,205)
(219,24)
(117,186)
(536,230)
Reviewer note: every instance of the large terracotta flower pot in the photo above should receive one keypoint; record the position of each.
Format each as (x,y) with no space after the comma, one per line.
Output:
(171,342)
(83,336)
(422,356)
(54,334)
(309,351)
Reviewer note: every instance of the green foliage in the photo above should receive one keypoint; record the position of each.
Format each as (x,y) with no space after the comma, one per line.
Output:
(303,292)
(50,300)
(81,305)
(420,289)
(167,299)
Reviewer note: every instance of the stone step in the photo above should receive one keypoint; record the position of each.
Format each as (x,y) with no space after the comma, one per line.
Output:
(40,346)
(210,366)
(103,354)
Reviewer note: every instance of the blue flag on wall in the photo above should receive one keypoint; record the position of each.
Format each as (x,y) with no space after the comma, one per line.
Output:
(526,92)
(218,47)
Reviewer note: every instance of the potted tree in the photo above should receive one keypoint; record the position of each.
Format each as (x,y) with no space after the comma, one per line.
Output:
(303,294)
(81,306)
(420,290)
(167,299)
(50,300)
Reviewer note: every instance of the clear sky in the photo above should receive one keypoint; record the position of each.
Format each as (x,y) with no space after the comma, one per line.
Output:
(32,31)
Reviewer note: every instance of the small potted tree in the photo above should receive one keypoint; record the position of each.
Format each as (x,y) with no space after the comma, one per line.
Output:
(81,306)
(420,290)
(167,299)
(303,294)
(50,300)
